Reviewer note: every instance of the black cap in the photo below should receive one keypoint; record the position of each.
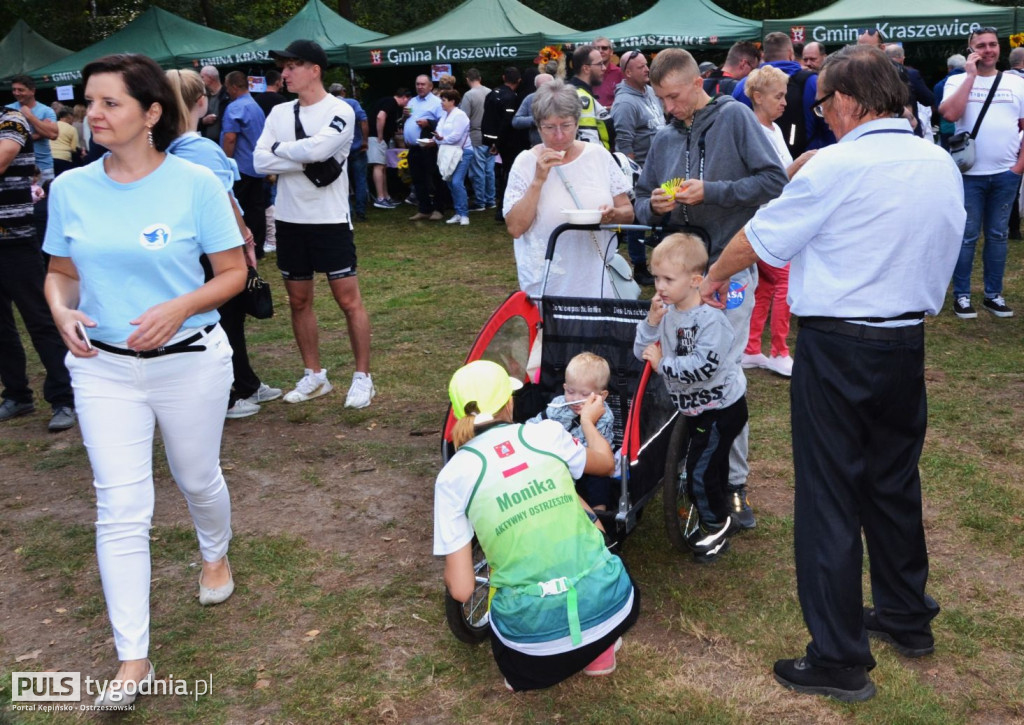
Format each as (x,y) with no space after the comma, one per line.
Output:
(306,50)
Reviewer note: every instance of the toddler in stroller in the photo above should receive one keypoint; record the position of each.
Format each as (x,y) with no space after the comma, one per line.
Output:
(586,373)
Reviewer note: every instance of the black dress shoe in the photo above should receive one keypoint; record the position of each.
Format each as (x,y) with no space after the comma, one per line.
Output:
(846,684)
(908,645)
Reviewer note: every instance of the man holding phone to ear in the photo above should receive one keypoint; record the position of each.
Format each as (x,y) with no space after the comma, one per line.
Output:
(990,185)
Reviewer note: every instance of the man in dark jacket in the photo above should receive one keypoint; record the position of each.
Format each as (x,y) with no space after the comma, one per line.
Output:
(496,128)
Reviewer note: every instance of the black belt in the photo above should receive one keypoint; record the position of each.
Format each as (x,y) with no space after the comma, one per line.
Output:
(180,346)
(864,332)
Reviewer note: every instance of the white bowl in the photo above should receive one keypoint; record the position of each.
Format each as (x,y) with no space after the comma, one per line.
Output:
(424,141)
(583,216)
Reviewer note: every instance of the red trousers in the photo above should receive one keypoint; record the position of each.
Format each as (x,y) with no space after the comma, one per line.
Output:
(772,288)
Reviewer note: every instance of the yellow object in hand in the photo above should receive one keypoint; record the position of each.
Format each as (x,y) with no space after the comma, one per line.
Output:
(673,186)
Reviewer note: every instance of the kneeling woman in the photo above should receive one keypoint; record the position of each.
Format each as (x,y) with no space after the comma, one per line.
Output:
(559,599)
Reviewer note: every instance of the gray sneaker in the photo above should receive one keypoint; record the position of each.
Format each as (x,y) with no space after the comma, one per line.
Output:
(12,409)
(62,419)
(265,394)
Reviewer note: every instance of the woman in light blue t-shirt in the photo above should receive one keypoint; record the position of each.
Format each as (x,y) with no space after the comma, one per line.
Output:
(128,295)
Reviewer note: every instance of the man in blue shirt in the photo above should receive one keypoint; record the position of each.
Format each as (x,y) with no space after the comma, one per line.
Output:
(424,111)
(241,126)
(357,154)
(40,117)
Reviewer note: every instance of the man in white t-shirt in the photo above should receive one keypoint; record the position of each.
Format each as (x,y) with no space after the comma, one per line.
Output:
(990,186)
(314,227)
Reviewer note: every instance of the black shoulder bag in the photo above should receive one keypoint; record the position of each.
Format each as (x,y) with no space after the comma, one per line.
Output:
(961,145)
(321,173)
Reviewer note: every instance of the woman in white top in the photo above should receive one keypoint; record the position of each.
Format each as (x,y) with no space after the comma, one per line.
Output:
(766,87)
(452,137)
(537,192)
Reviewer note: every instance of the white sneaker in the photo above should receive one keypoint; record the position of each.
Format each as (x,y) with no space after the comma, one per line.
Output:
(781,365)
(269,247)
(243,408)
(265,394)
(464,221)
(312,385)
(755,361)
(454,220)
(361,392)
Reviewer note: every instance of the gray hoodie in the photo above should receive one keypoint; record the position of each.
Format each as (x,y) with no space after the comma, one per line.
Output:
(638,115)
(741,170)
(698,370)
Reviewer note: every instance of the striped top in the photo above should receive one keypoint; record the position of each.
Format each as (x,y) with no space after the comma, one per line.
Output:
(16,222)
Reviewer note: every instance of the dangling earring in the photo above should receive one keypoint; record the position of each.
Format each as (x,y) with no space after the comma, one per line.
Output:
(149,137)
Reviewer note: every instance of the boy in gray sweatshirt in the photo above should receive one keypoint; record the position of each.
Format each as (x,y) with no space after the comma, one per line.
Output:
(688,344)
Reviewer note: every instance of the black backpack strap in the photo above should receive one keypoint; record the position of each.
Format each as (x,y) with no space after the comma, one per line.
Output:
(988,102)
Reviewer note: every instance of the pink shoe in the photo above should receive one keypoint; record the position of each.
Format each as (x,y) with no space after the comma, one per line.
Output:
(605,663)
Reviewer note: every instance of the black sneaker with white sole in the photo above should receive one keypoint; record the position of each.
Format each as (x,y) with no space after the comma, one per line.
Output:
(963,308)
(997,306)
(708,543)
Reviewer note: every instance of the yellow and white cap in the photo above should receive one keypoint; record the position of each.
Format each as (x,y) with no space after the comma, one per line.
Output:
(482,382)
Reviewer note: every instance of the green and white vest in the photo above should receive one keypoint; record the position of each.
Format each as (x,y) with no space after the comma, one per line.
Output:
(551,574)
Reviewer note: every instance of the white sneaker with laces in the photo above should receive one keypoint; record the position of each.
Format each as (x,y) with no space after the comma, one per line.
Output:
(781,365)
(454,220)
(361,392)
(312,385)
(265,394)
(243,408)
(269,247)
(464,221)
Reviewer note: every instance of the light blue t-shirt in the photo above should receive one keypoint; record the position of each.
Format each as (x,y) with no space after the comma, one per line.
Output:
(136,245)
(41,146)
(203,151)
(245,119)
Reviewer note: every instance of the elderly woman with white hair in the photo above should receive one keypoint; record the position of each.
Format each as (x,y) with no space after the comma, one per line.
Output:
(555,175)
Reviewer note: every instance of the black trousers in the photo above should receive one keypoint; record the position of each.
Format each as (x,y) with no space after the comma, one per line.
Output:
(21,284)
(422,166)
(859,415)
(535,672)
(232,320)
(252,198)
(707,459)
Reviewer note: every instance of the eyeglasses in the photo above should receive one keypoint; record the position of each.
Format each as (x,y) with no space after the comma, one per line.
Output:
(629,56)
(600,62)
(817,107)
(565,128)
(603,47)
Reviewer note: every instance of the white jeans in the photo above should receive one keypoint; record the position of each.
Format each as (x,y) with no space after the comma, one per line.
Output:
(118,399)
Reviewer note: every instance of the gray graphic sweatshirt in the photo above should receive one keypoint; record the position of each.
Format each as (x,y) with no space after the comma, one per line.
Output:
(695,363)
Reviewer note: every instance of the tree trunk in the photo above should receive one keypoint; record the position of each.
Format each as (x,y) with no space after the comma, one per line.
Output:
(207,11)
(345,9)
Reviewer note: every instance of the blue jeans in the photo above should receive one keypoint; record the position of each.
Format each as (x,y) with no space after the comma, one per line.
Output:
(482,174)
(357,173)
(988,200)
(457,184)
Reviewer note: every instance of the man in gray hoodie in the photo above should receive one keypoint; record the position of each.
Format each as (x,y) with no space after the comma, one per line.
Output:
(637,115)
(727,169)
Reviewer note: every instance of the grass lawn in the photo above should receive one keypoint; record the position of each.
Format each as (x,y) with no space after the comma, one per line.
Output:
(339,617)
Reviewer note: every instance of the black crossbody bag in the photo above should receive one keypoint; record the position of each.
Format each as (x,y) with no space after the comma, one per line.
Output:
(321,173)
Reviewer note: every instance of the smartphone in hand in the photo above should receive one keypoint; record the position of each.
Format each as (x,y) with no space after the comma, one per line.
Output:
(82,334)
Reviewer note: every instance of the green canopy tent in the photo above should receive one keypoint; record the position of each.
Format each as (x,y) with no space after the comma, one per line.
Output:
(904,21)
(315,21)
(691,24)
(477,31)
(23,49)
(163,36)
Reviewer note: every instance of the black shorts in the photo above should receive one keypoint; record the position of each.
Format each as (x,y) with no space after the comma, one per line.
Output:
(303,249)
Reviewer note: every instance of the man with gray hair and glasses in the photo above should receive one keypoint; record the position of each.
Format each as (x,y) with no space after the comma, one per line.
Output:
(859,412)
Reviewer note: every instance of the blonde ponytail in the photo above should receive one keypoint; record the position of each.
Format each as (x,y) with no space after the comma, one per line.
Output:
(465,427)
